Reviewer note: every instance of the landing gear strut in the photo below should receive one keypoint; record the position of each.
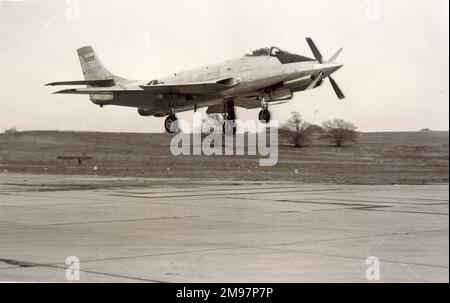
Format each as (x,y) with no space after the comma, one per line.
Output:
(229,123)
(264,114)
(171,124)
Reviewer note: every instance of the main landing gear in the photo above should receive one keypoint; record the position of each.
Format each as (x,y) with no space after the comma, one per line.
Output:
(229,116)
(171,124)
(264,114)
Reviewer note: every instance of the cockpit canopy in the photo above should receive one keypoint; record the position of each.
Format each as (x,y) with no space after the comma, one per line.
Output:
(267,51)
(282,55)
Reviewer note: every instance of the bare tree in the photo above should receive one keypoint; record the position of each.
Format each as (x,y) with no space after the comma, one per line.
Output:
(299,130)
(339,131)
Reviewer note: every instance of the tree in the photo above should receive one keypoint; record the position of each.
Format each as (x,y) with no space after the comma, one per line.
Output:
(339,131)
(11,130)
(299,130)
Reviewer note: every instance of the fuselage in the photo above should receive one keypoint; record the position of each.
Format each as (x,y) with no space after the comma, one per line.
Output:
(254,73)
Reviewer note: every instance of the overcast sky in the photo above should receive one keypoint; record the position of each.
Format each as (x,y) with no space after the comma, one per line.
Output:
(395,57)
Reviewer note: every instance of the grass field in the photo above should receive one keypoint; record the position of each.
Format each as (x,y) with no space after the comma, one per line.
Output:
(378,158)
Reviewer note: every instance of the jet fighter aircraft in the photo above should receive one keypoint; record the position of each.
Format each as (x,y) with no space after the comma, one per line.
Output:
(266,76)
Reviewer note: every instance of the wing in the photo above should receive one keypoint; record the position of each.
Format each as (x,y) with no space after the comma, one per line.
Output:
(197,88)
(98,90)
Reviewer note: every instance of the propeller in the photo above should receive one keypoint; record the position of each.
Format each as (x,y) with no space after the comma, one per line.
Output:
(319,58)
(336,88)
(314,49)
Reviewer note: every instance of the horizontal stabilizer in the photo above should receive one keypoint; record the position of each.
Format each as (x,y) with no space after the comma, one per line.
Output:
(97,90)
(103,82)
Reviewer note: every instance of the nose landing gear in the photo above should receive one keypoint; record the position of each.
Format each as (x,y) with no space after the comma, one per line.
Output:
(264,114)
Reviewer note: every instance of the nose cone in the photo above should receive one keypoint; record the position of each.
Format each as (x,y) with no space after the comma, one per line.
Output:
(334,67)
(328,68)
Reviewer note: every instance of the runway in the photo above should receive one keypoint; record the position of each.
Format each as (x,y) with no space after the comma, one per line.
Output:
(210,230)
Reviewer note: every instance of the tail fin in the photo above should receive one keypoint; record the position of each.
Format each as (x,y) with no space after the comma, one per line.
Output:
(92,67)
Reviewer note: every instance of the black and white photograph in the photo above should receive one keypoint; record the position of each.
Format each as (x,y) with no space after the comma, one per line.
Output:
(208,141)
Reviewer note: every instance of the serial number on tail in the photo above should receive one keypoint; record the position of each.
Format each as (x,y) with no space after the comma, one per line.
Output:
(89,58)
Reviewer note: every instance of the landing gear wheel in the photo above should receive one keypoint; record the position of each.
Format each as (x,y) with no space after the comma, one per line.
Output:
(171,124)
(229,127)
(264,116)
